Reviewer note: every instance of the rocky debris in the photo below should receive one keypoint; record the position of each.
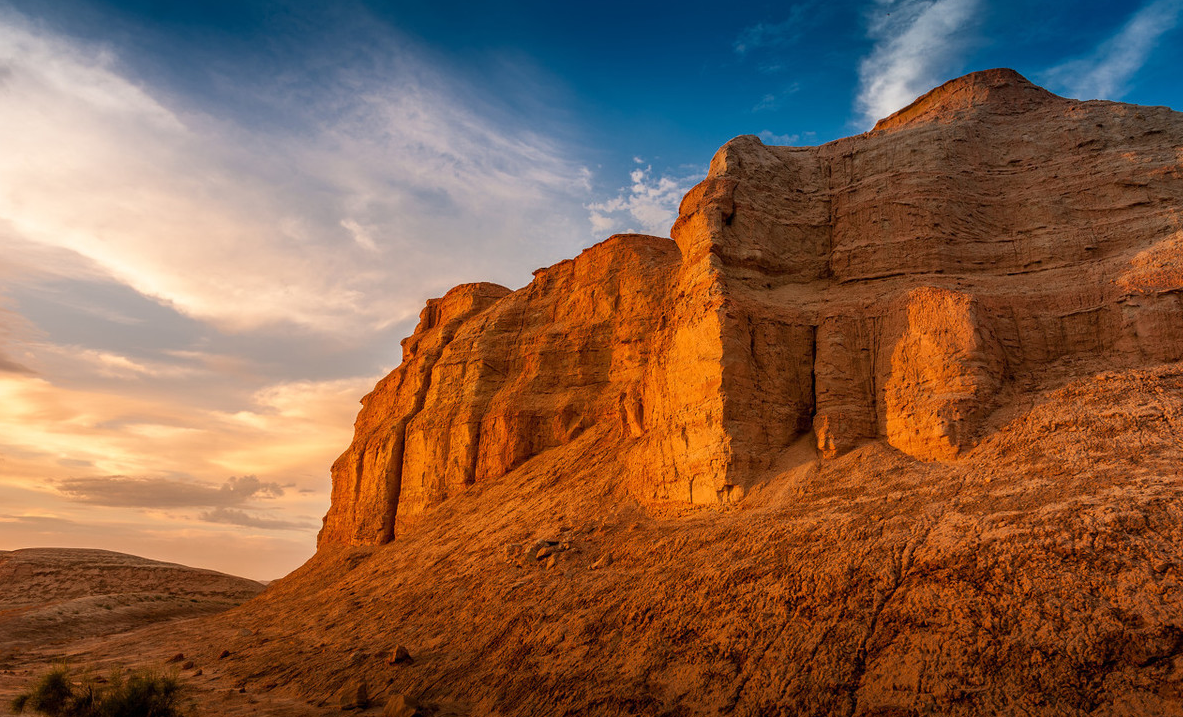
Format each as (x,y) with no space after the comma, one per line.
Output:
(188,665)
(539,546)
(604,561)
(176,658)
(355,696)
(246,632)
(357,657)
(223,654)
(402,706)
(401,656)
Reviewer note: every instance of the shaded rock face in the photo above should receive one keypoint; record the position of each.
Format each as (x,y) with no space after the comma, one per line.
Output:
(885,286)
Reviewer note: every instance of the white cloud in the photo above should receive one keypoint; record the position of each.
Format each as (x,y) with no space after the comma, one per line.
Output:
(241,226)
(648,203)
(768,137)
(1106,73)
(917,42)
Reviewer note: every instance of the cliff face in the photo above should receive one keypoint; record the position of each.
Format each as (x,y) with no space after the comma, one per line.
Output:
(890,427)
(886,286)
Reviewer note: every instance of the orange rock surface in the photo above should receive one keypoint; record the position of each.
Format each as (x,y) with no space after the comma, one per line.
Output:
(884,286)
(890,427)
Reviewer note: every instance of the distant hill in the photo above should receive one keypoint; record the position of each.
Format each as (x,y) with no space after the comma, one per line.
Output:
(59,594)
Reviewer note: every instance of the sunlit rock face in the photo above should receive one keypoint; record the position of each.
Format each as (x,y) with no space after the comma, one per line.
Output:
(889,286)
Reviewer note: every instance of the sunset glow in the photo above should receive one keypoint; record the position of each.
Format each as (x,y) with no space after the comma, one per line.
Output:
(216,228)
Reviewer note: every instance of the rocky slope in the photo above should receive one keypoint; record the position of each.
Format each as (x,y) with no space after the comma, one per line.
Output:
(892,426)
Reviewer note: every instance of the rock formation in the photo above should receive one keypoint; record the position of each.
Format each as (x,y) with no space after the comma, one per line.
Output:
(891,286)
(891,427)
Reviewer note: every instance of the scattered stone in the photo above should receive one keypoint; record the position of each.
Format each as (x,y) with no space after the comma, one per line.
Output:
(546,552)
(198,673)
(223,654)
(246,632)
(401,656)
(604,561)
(552,561)
(402,706)
(176,658)
(539,545)
(512,550)
(356,697)
(271,685)
(357,658)
(188,665)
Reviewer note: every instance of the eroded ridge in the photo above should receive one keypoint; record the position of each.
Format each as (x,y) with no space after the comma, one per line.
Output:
(889,286)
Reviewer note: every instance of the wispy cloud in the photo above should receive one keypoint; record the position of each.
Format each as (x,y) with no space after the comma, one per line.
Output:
(126,492)
(1107,72)
(917,45)
(233,516)
(775,100)
(770,137)
(246,225)
(774,34)
(649,204)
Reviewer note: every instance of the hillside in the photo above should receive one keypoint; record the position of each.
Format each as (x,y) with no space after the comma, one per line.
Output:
(52,595)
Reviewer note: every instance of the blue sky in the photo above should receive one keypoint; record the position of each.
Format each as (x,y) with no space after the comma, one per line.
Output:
(218,219)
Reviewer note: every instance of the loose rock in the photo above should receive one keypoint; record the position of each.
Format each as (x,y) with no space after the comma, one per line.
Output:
(402,706)
(401,656)
(355,697)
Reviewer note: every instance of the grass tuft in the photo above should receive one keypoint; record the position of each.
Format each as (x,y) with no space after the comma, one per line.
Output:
(139,693)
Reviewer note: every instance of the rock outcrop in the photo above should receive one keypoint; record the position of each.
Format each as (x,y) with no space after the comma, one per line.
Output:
(885,286)
(933,374)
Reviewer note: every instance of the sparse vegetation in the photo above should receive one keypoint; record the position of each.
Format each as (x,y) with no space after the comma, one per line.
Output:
(135,694)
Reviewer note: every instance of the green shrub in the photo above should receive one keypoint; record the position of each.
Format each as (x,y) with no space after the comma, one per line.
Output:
(137,694)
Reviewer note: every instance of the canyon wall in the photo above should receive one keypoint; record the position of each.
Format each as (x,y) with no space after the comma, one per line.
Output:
(888,286)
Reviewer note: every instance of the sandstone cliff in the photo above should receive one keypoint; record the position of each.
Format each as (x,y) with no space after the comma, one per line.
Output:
(891,286)
(890,427)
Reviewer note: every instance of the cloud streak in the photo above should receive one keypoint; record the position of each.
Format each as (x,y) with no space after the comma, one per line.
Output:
(233,516)
(916,45)
(248,225)
(125,492)
(766,35)
(1107,72)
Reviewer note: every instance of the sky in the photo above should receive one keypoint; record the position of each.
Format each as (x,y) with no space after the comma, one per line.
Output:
(218,219)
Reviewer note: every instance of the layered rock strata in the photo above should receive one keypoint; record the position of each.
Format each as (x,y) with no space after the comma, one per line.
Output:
(885,286)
